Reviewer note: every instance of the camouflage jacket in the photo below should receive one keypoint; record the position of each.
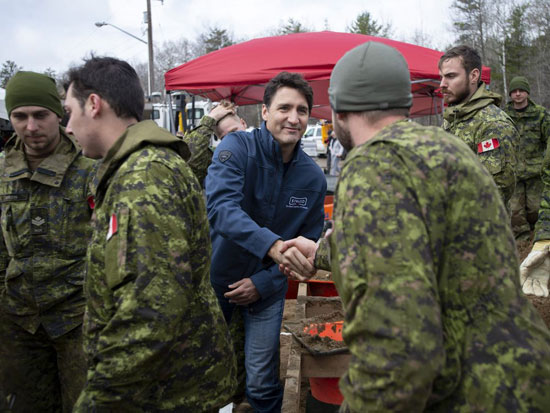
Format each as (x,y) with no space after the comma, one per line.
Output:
(542,227)
(424,260)
(198,141)
(479,122)
(154,334)
(533,125)
(45,232)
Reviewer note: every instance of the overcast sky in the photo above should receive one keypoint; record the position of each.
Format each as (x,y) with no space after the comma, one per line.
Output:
(38,34)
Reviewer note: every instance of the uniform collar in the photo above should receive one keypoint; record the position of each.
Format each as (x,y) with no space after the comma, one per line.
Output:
(50,171)
(135,137)
(479,100)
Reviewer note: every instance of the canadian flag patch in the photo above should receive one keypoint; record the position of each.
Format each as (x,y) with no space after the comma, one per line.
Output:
(112,227)
(487,145)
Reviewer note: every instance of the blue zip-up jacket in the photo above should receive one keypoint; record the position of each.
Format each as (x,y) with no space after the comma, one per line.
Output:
(252,203)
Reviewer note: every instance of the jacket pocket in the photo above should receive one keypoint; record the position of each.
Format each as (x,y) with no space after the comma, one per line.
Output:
(116,248)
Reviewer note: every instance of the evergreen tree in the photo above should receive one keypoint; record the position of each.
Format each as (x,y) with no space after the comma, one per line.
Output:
(292,26)
(216,38)
(470,23)
(9,68)
(50,72)
(517,45)
(365,24)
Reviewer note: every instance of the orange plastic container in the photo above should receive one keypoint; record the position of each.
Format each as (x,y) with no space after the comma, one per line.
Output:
(325,389)
(328,211)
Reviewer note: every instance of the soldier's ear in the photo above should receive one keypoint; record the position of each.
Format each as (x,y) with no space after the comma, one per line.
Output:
(93,103)
(475,76)
(97,105)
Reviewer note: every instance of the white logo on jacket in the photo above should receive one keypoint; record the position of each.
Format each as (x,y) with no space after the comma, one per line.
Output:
(295,202)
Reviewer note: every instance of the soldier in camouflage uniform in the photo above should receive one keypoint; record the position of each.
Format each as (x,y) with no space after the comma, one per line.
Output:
(533,124)
(220,121)
(45,222)
(473,114)
(423,258)
(154,334)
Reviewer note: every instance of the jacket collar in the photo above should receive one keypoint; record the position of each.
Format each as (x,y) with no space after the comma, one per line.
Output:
(134,138)
(480,99)
(531,107)
(50,171)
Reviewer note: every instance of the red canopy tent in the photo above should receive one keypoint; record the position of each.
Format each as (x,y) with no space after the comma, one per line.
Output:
(240,72)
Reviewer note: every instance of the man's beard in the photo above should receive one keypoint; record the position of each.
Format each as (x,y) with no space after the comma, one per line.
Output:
(344,136)
(460,96)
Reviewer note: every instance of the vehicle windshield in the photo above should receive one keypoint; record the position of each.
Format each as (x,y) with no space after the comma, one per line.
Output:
(311,132)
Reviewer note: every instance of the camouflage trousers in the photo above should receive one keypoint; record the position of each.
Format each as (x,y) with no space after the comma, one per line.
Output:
(236,329)
(524,205)
(39,373)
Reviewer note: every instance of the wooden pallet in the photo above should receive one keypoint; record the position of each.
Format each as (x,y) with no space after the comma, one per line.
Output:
(301,364)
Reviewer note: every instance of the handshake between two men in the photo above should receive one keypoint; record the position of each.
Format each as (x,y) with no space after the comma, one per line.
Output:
(295,257)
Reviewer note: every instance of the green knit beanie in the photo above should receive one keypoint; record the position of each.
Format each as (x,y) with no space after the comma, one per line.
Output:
(33,89)
(372,76)
(519,82)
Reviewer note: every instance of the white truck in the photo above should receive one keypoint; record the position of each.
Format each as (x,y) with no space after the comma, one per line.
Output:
(159,112)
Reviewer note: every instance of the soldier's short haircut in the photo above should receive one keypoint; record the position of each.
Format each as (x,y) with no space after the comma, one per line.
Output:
(470,58)
(292,80)
(373,116)
(114,80)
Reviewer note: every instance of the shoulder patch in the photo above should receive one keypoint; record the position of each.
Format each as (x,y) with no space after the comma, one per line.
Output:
(488,145)
(224,156)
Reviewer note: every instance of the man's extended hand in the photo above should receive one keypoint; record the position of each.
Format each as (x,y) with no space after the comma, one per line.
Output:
(535,270)
(275,252)
(244,292)
(298,257)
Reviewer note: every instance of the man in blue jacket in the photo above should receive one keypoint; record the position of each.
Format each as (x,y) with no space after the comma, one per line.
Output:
(262,189)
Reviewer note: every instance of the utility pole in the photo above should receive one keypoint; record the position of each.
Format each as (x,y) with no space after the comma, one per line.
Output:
(150,47)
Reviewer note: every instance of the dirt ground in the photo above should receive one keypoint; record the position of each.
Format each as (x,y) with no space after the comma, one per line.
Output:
(334,312)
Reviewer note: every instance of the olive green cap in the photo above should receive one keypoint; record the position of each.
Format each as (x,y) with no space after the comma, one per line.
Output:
(371,76)
(519,82)
(33,89)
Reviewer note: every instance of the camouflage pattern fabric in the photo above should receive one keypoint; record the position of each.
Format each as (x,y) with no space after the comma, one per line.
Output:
(524,205)
(198,141)
(45,228)
(39,373)
(542,227)
(236,330)
(424,260)
(533,125)
(154,334)
(322,256)
(480,120)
